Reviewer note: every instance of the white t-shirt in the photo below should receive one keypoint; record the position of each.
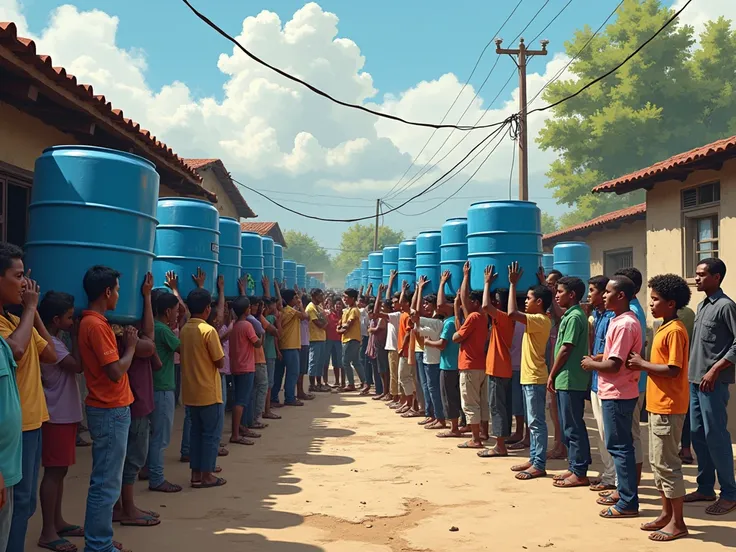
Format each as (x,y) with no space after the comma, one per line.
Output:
(431,328)
(392,333)
(364,322)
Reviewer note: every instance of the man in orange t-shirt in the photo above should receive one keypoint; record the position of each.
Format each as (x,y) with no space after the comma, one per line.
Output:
(108,402)
(472,336)
(498,365)
(407,386)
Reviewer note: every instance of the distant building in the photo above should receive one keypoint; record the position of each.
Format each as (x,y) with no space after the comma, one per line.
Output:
(265,229)
(216,179)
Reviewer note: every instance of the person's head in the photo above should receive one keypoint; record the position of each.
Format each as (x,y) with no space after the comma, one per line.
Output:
(362,301)
(395,302)
(428,305)
(12,274)
(167,308)
(552,278)
(633,274)
(241,307)
(350,297)
(668,293)
(56,310)
(447,308)
(337,304)
(596,289)
(102,285)
(620,290)
(290,297)
(256,305)
(501,299)
(538,299)
(709,275)
(387,306)
(405,306)
(199,302)
(570,291)
(476,301)
(318,296)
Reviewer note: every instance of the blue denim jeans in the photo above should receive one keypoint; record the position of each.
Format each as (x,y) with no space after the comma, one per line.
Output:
(351,360)
(316,358)
(364,361)
(108,428)
(617,419)
(278,378)
(243,389)
(291,361)
(711,440)
(177,383)
(162,421)
(571,406)
(186,432)
(207,422)
(271,366)
(333,353)
(432,377)
(25,491)
(6,518)
(137,450)
(535,397)
(423,384)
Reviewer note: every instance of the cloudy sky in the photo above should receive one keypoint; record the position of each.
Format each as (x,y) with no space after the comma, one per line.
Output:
(168,71)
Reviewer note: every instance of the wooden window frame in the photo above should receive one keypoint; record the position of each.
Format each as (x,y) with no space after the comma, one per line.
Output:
(613,252)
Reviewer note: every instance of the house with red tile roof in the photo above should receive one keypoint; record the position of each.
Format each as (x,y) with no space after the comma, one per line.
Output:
(265,229)
(41,105)
(217,180)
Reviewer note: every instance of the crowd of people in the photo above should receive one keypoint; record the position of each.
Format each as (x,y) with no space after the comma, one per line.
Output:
(482,364)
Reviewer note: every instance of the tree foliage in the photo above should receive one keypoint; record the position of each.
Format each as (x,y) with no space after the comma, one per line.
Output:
(549,223)
(357,242)
(669,98)
(304,249)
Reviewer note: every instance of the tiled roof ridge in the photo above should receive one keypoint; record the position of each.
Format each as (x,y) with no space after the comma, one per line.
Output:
(601,220)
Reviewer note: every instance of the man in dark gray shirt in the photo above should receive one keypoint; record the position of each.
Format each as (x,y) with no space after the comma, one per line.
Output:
(711,371)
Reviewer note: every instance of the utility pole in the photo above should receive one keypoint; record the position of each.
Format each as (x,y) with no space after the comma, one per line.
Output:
(375,233)
(522,56)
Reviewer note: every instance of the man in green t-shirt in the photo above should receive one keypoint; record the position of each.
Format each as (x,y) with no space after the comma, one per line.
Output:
(167,311)
(570,382)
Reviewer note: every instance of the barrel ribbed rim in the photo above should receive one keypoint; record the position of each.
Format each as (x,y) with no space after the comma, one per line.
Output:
(229,219)
(571,243)
(188,227)
(504,253)
(515,232)
(457,218)
(187,258)
(98,149)
(430,232)
(89,245)
(85,205)
(500,201)
(189,200)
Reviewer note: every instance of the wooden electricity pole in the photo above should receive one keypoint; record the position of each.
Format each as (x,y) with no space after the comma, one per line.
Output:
(375,233)
(522,56)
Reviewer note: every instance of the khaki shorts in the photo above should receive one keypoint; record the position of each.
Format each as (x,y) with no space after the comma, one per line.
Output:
(406,376)
(393,368)
(665,432)
(474,395)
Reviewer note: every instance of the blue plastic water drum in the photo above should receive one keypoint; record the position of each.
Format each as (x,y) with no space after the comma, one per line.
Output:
(548,262)
(428,259)
(278,262)
(390,262)
(269,267)
(454,252)
(301,276)
(408,262)
(501,232)
(289,273)
(364,273)
(230,249)
(375,269)
(187,238)
(573,259)
(251,262)
(92,206)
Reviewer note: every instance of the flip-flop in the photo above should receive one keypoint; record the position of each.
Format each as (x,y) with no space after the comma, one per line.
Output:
(294,403)
(425,421)
(567,484)
(449,434)
(248,433)
(271,416)
(521,467)
(667,536)
(258,425)
(223,452)
(143,521)
(520,445)
(59,545)
(697,497)
(613,513)
(651,526)
(242,441)
(598,487)
(526,476)
(606,501)
(561,476)
(218,482)
(165,487)
(491,453)
(718,510)
(469,445)
(71,531)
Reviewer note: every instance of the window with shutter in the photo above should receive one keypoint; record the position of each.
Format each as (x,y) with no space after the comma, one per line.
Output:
(701,221)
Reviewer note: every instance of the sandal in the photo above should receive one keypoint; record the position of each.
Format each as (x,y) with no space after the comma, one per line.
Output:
(561,476)
(218,482)
(242,441)
(606,500)
(718,509)
(271,416)
(664,536)
(447,434)
(598,487)
(258,425)
(166,487)
(143,521)
(569,484)
(294,403)
(526,475)
(71,531)
(520,445)
(59,545)
(223,452)
(491,453)
(470,445)
(613,513)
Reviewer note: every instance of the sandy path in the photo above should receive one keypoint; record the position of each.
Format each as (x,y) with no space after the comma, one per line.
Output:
(344,474)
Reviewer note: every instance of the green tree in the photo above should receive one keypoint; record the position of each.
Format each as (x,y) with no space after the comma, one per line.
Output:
(304,249)
(667,99)
(549,223)
(357,242)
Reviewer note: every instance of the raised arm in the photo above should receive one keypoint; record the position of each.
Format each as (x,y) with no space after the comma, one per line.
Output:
(19,339)
(465,289)
(172,282)
(147,320)
(489,276)
(377,304)
(391,280)
(441,299)
(220,312)
(515,274)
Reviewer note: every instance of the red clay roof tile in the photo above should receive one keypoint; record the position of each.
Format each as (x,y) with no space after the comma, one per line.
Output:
(635,211)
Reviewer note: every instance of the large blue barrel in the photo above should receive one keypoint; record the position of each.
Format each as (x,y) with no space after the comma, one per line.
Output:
(269,261)
(390,262)
(301,276)
(230,249)
(92,206)
(278,262)
(407,262)
(454,252)
(187,238)
(251,262)
(501,232)
(573,259)
(375,269)
(289,273)
(548,262)
(364,273)
(428,259)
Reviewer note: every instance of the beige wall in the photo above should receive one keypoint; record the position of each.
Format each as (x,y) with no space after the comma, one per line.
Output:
(23,138)
(211,183)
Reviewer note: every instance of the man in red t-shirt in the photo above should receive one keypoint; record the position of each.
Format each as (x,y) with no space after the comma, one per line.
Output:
(472,337)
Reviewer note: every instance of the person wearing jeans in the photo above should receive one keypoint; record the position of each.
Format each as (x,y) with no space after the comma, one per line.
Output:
(10,437)
(710,373)
(349,328)
(290,344)
(535,396)
(162,421)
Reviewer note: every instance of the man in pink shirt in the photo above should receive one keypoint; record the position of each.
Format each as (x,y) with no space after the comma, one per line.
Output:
(243,340)
(618,389)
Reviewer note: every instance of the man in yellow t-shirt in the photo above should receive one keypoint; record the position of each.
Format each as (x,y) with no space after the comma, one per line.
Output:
(28,339)
(290,343)
(317,341)
(349,328)
(533,369)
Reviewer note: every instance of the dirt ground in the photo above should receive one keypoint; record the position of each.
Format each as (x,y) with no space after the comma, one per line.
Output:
(345,473)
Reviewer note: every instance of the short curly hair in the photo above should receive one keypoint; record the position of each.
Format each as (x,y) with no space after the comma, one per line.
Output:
(671,287)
